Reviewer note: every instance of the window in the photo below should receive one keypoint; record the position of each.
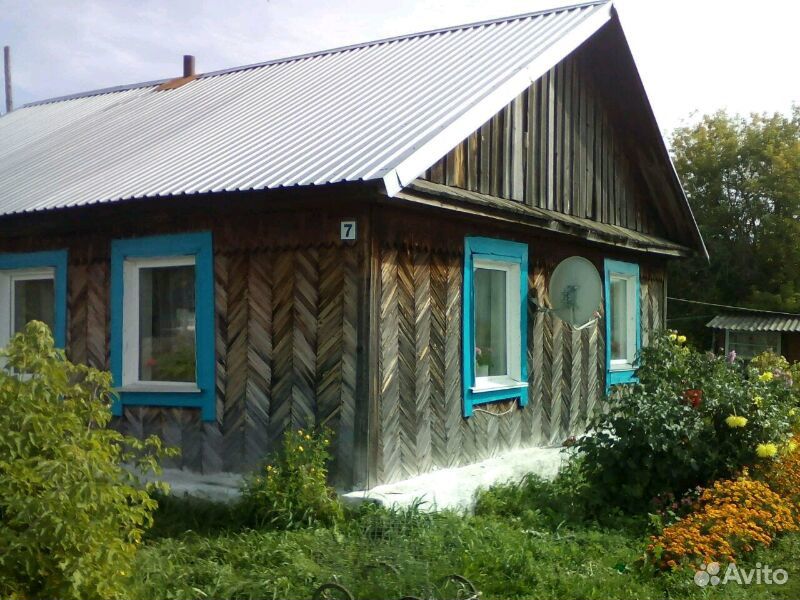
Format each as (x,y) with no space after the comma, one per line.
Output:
(752,343)
(33,287)
(495,322)
(623,329)
(162,322)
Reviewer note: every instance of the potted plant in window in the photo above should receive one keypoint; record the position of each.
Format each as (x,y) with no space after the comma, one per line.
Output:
(483,360)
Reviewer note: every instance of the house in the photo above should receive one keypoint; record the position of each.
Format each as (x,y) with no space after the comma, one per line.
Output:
(301,242)
(751,332)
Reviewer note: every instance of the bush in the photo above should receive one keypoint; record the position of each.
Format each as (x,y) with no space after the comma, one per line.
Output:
(783,474)
(692,418)
(780,367)
(292,491)
(72,516)
(732,517)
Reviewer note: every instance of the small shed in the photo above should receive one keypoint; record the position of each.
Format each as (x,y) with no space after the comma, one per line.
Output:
(358,238)
(751,333)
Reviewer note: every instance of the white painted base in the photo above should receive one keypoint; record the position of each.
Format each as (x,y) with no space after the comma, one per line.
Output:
(453,489)
(456,488)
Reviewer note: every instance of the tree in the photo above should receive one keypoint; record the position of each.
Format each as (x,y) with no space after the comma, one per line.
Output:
(742,177)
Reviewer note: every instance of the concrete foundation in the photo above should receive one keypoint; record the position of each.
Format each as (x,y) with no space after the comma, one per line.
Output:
(456,488)
(453,489)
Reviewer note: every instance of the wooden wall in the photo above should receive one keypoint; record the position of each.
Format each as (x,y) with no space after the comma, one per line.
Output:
(287,322)
(556,146)
(420,425)
(286,352)
(297,344)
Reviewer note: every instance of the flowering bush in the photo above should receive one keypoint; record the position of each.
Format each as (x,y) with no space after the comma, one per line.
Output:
(72,516)
(731,517)
(292,491)
(783,475)
(692,418)
(779,367)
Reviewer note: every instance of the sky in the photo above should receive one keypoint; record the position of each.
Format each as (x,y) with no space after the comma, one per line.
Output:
(695,56)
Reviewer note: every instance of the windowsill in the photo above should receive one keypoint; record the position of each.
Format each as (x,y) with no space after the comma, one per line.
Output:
(160,387)
(622,367)
(493,386)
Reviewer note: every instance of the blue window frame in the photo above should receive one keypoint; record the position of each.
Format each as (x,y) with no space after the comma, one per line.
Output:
(154,311)
(495,322)
(623,321)
(18,271)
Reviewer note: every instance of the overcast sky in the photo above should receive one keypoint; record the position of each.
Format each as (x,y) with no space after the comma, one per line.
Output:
(694,55)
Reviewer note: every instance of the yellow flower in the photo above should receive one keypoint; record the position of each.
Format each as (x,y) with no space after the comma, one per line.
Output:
(673,336)
(766,450)
(681,339)
(791,446)
(300,448)
(327,441)
(758,401)
(734,421)
(308,437)
(792,412)
(766,376)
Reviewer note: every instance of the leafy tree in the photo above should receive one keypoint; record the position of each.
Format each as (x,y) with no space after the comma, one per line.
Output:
(71,515)
(742,177)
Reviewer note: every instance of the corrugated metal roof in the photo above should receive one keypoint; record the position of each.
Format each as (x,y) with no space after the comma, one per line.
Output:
(756,322)
(383,110)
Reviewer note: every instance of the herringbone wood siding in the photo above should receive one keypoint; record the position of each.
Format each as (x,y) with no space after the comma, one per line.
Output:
(286,321)
(421,427)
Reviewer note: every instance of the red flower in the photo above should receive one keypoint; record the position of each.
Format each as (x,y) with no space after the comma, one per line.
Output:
(693,397)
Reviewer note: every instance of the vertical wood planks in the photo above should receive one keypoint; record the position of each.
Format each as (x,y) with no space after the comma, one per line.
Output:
(555,146)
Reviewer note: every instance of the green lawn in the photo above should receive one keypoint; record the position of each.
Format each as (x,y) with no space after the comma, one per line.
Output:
(504,556)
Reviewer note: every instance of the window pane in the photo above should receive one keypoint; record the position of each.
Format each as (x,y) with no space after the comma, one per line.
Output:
(619,319)
(34,299)
(749,344)
(166,324)
(490,322)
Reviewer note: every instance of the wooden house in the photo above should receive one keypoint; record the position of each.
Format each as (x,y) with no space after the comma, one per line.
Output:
(333,239)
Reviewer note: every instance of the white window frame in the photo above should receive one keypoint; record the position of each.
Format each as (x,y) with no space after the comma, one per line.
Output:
(625,364)
(513,377)
(130,325)
(7,280)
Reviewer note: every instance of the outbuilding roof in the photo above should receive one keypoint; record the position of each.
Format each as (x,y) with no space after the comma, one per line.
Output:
(756,322)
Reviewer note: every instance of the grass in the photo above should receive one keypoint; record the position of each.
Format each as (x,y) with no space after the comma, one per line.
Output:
(532,540)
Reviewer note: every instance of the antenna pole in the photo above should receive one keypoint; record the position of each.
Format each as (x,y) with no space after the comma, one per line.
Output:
(7,68)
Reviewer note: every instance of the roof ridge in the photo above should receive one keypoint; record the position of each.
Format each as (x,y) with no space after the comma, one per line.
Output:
(336,50)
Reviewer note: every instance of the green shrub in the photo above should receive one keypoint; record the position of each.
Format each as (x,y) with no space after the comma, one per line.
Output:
(292,491)
(692,418)
(777,364)
(72,516)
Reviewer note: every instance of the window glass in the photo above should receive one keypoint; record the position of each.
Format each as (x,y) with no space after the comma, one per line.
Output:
(34,299)
(491,344)
(749,344)
(167,323)
(619,319)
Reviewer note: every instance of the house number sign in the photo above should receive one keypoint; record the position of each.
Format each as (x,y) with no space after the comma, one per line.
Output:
(347,230)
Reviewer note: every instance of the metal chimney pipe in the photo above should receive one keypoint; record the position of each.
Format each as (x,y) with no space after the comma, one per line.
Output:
(7,68)
(188,65)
